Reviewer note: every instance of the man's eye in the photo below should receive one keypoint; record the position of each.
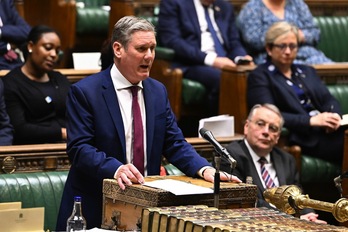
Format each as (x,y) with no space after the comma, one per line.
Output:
(260,123)
(273,128)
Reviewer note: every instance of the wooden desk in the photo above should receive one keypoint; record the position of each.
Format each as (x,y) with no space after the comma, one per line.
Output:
(73,75)
(33,158)
(52,156)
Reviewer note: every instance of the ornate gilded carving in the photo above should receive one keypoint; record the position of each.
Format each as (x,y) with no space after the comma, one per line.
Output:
(289,198)
(9,164)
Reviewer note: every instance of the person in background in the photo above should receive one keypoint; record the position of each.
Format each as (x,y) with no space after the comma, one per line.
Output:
(312,115)
(35,94)
(257,16)
(6,129)
(262,131)
(13,33)
(107,138)
(205,39)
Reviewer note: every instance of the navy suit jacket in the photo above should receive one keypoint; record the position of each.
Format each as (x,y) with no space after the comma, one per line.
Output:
(14,31)
(178,28)
(6,129)
(97,145)
(267,85)
(284,164)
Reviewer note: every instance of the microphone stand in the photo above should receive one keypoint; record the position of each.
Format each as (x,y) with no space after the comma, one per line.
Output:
(217,159)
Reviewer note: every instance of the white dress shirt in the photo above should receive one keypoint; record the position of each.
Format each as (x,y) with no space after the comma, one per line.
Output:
(269,166)
(207,42)
(124,96)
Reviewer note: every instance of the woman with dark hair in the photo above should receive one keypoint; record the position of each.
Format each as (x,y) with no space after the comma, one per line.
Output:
(35,94)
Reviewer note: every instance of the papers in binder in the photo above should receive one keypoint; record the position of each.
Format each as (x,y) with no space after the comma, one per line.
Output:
(220,126)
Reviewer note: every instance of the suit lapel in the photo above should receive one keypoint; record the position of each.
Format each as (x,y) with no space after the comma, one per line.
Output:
(114,109)
(190,9)
(150,116)
(254,174)
(279,168)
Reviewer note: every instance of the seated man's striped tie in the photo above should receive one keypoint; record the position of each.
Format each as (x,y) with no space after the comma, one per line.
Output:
(265,175)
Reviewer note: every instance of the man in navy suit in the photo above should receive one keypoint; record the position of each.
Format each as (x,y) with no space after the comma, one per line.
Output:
(262,131)
(13,33)
(183,26)
(100,125)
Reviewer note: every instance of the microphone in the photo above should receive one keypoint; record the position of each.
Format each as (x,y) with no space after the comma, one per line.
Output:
(207,135)
(338,181)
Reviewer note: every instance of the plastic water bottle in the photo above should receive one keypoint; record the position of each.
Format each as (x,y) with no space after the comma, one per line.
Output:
(76,222)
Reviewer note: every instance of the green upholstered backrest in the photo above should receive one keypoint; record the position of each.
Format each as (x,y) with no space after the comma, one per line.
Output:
(92,17)
(315,170)
(333,36)
(39,189)
(340,92)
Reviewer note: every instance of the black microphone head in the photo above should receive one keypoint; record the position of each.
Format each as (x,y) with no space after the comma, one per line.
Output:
(203,131)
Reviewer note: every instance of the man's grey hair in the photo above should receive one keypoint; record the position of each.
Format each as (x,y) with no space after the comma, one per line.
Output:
(268,106)
(126,26)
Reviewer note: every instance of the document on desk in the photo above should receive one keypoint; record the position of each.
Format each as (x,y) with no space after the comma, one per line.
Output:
(178,187)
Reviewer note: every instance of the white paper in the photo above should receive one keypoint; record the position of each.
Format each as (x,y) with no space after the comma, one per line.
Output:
(86,60)
(220,126)
(344,120)
(178,187)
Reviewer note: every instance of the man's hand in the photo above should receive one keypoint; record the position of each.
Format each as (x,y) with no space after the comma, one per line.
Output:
(313,217)
(209,173)
(221,62)
(128,174)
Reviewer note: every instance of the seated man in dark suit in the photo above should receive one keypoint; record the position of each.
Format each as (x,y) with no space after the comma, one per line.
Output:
(204,37)
(13,33)
(258,157)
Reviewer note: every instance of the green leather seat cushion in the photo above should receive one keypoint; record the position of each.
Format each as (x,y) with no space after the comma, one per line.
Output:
(39,189)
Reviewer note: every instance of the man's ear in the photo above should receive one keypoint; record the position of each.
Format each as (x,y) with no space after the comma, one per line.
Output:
(117,48)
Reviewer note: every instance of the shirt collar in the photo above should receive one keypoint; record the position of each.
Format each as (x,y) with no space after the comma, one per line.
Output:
(254,156)
(119,80)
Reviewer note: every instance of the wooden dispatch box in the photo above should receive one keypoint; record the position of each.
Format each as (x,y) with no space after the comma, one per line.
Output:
(122,208)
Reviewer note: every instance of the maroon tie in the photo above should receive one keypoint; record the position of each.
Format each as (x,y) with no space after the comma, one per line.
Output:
(138,133)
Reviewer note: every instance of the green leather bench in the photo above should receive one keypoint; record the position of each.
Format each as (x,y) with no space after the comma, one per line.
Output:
(92,17)
(333,36)
(39,189)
